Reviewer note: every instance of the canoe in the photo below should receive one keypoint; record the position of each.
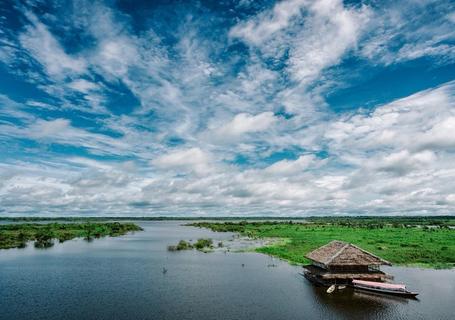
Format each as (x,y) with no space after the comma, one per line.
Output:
(331,289)
(386,288)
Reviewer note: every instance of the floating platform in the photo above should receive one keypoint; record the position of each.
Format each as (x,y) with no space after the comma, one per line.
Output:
(327,278)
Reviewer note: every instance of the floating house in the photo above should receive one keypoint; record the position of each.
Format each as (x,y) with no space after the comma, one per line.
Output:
(340,262)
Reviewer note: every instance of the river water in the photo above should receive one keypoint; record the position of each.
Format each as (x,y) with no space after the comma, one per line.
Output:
(122,278)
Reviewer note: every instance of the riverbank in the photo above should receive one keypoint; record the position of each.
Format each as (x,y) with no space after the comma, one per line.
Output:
(43,235)
(423,246)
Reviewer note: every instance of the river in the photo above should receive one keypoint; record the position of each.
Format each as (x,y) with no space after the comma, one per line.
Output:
(122,278)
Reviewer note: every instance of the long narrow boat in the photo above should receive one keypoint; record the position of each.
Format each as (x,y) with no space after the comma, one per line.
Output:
(387,288)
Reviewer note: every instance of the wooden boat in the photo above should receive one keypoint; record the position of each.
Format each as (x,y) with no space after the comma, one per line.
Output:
(331,288)
(386,288)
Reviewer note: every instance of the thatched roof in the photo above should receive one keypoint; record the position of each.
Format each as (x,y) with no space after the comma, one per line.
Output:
(341,253)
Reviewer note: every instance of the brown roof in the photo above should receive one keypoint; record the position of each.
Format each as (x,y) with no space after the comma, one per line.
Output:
(343,253)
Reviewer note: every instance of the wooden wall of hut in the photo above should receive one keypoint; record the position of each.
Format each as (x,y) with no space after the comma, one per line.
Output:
(349,268)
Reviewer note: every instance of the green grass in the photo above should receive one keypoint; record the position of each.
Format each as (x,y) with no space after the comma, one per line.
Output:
(43,235)
(401,245)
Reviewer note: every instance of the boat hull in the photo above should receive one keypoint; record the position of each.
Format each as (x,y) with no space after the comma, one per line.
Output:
(407,294)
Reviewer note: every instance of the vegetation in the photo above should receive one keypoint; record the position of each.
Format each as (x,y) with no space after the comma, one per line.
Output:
(427,246)
(356,220)
(43,235)
(201,245)
(182,245)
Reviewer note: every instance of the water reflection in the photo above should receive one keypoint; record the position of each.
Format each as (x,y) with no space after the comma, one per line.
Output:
(349,303)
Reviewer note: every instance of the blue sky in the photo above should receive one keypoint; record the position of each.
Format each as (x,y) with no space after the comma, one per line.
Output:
(288,108)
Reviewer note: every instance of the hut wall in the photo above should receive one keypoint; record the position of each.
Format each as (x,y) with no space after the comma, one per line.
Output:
(349,268)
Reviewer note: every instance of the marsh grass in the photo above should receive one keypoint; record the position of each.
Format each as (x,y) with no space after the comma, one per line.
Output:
(399,244)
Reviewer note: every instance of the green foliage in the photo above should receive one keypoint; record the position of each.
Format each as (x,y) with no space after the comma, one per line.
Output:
(203,244)
(394,240)
(17,235)
(182,245)
(44,236)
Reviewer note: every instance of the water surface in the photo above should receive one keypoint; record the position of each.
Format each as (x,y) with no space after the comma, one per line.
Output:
(122,278)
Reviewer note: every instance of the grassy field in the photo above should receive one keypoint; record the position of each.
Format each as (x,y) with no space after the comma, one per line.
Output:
(402,244)
(43,235)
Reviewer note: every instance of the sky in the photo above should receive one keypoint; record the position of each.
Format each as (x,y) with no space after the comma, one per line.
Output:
(227,108)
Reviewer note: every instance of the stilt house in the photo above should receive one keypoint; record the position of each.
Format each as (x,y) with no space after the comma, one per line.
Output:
(340,262)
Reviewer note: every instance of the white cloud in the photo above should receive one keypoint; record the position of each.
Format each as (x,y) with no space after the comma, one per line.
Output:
(399,33)
(46,49)
(402,162)
(289,167)
(259,29)
(420,121)
(246,123)
(330,31)
(441,136)
(331,182)
(115,56)
(192,160)
(49,129)
(82,85)
(323,35)
(375,176)
(61,131)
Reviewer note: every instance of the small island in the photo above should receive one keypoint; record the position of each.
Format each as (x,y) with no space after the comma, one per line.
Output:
(204,245)
(43,235)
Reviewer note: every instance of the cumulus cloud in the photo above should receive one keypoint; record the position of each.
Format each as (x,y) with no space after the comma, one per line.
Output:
(440,137)
(398,150)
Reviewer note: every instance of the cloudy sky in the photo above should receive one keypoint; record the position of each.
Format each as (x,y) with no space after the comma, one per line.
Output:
(288,108)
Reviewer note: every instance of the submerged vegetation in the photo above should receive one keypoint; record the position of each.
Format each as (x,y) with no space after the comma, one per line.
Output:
(201,245)
(43,235)
(182,245)
(430,245)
